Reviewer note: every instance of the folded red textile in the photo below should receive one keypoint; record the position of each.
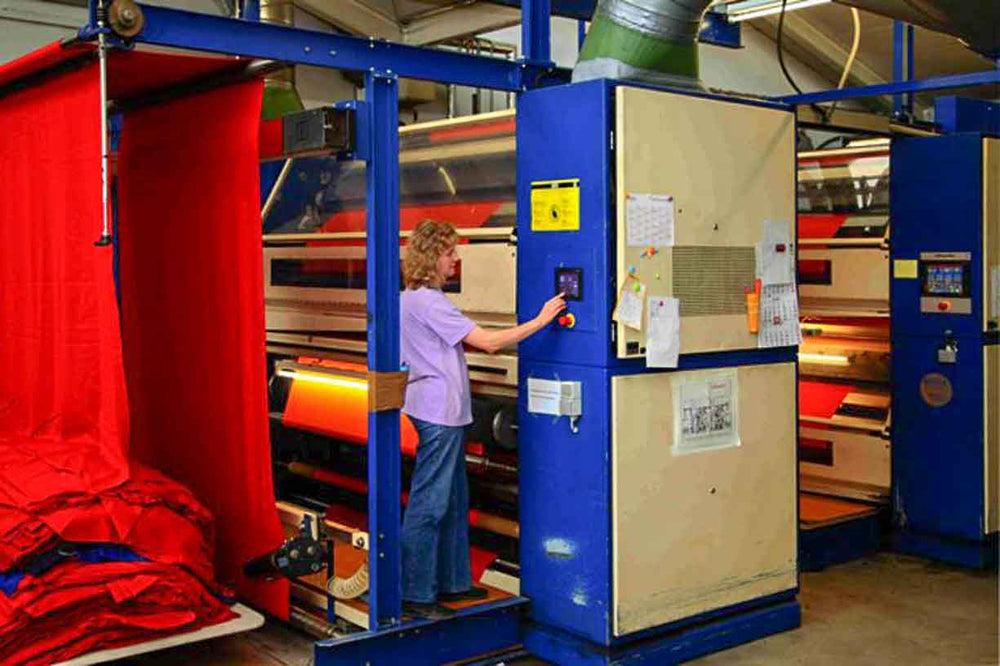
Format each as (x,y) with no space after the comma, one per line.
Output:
(77,607)
(42,502)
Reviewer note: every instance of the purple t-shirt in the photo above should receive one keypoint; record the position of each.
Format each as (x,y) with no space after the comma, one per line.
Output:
(431,330)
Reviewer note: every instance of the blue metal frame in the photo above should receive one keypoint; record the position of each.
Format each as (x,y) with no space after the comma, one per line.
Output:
(381,120)
(961,114)
(712,635)
(219,34)
(536,37)
(951,82)
(490,628)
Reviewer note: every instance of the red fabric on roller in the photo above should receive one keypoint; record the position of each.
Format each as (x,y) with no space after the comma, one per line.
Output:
(191,264)
(48,56)
(817,225)
(820,399)
(136,73)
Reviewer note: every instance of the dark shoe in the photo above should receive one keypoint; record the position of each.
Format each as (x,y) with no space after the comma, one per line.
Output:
(471,593)
(427,611)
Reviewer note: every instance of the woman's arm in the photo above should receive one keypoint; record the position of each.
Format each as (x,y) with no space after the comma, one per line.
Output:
(493,341)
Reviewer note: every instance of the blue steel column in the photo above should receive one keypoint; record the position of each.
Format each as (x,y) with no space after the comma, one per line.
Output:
(902,65)
(536,30)
(382,110)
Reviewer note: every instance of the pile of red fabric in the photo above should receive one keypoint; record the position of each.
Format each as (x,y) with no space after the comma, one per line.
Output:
(56,496)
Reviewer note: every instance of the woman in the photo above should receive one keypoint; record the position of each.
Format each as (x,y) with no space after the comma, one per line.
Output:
(435,537)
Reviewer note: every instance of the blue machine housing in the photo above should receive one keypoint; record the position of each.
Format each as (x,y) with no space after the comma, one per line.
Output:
(567,132)
(938,460)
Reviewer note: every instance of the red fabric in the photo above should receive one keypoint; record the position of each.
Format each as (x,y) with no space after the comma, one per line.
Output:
(820,399)
(481,560)
(48,56)
(816,225)
(76,608)
(136,73)
(60,348)
(191,264)
(339,411)
(272,140)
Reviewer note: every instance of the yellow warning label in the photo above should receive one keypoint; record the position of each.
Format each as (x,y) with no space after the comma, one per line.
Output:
(555,205)
(905,269)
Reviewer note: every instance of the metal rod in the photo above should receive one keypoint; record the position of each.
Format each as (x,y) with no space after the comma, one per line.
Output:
(102,58)
(272,197)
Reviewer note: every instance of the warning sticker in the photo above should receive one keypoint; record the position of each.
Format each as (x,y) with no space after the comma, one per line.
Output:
(555,205)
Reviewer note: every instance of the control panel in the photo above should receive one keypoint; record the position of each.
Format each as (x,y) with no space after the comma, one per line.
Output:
(946,282)
(569,283)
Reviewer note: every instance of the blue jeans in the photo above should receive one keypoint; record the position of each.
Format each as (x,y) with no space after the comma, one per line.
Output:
(435,537)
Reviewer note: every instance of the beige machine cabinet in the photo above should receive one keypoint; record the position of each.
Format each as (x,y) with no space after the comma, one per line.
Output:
(698,528)
(729,167)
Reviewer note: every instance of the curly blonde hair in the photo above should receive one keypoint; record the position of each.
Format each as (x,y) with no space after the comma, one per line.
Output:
(427,243)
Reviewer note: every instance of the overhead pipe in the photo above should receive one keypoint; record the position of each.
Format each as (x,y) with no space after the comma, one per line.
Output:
(280,93)
(645,40)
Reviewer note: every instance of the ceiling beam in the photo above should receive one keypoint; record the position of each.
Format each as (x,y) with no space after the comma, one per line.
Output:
(459,21)
(44,13)
(354,17)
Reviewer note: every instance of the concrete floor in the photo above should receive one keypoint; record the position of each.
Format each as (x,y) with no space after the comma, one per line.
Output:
(883,610)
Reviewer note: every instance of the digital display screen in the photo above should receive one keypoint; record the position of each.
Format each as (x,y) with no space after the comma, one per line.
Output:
(945,279)
(569,281)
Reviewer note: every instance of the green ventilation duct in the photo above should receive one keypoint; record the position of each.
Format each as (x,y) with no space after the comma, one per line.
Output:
(280,95)
(643,40)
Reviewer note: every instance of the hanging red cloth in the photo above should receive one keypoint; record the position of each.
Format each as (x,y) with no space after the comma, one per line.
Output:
(191,264)
(60,347)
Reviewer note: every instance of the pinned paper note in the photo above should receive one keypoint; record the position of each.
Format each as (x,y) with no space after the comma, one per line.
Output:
(779,316)
(995,288)
(631,300)
(706,411)
(663,333)
(775,254)
(649,220)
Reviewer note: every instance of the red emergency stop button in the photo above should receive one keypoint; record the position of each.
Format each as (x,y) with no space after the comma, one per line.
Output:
(944,306)
(567,320)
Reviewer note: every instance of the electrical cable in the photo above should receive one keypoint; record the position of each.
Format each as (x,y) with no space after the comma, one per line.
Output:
(781,51)
(781,60)
(855,45)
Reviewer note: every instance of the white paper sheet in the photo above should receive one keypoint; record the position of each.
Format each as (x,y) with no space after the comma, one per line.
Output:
(706,411)
(663,334)
(779,316)
(631,300)
(649,220)
(775,254)
(995,286)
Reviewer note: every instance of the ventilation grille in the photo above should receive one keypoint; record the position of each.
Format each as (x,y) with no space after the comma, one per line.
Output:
(713,280)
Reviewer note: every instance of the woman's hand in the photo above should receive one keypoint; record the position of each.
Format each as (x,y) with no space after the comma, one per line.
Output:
(551,309)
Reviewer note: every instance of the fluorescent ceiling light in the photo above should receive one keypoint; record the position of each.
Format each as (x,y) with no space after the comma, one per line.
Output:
(753,9)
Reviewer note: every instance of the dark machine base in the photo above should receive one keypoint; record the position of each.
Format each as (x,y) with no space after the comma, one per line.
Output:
(836,544)
(472,632)
(673,647)
(970,554)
